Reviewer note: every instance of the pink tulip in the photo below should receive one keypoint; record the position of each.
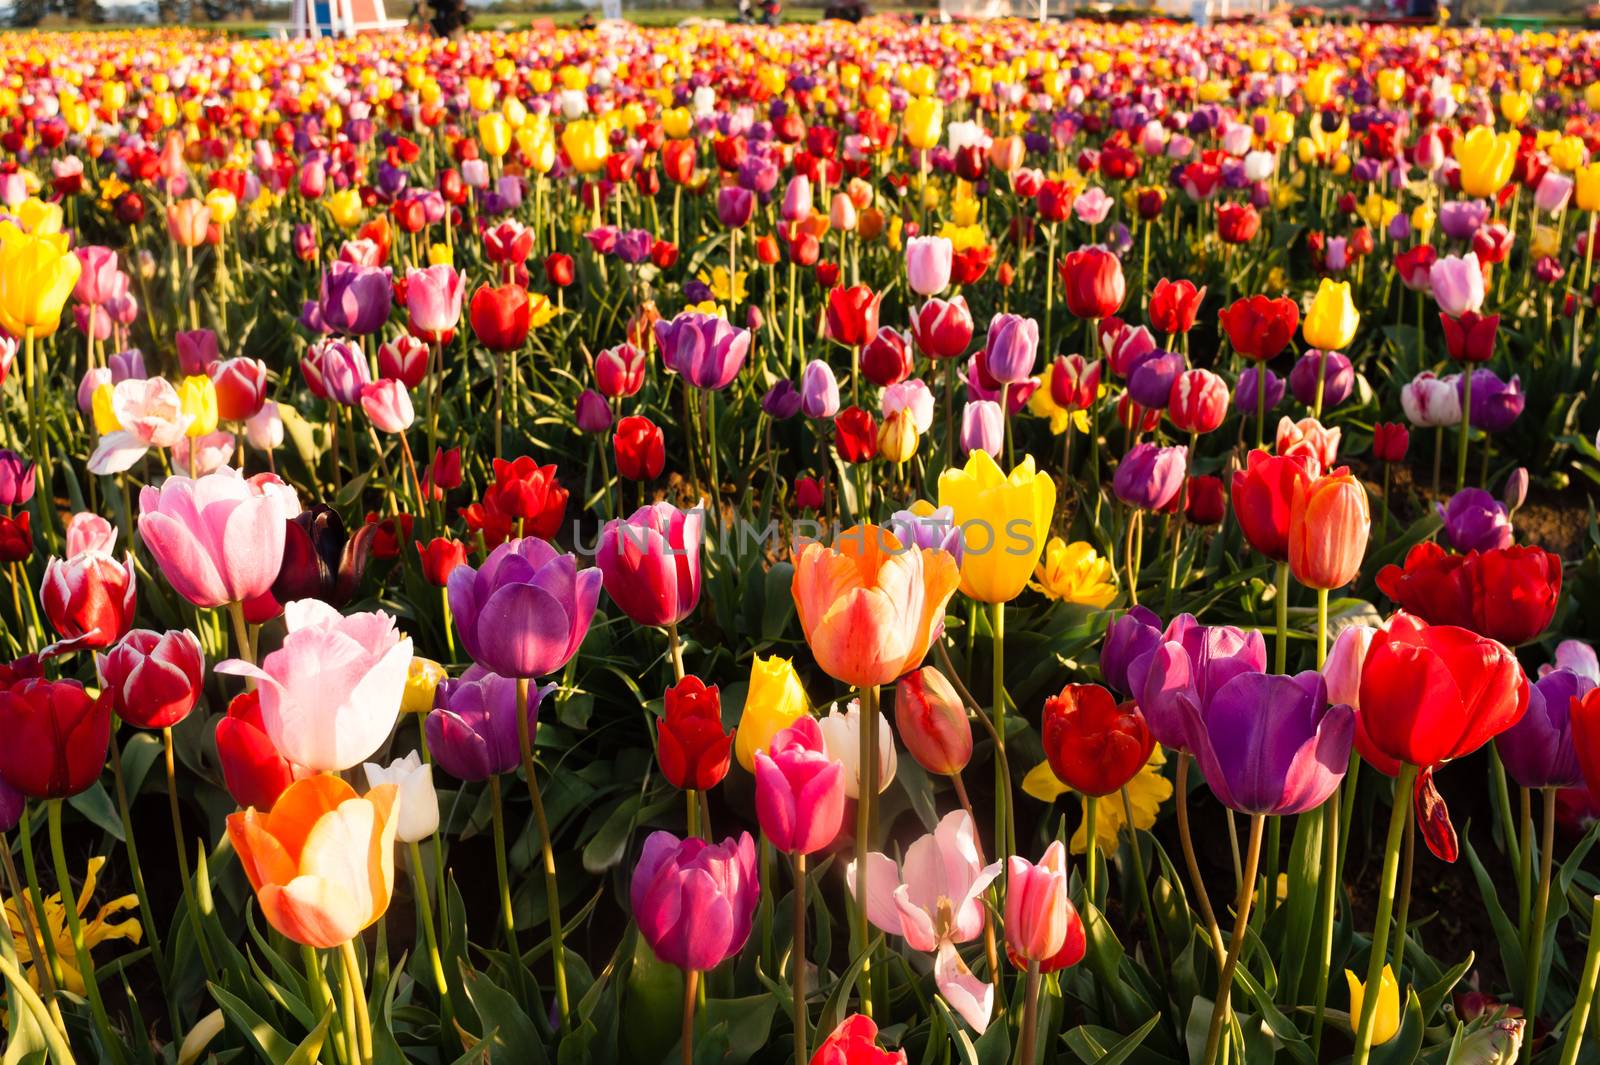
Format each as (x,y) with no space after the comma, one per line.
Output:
(90,532)
(97,282)
(264,430)
(241,386)
(331,693)
(405,358)
(799,790)
(203,454)
(797,202)
(151,415)
(1311,440)
(695,902)
(935,900)
(1342,670)
(388,404)
(928,262)
(433,299)
(217,539)
(1457,282)
(1038,911)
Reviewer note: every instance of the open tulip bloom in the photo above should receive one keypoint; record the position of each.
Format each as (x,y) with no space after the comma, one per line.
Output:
(995,539)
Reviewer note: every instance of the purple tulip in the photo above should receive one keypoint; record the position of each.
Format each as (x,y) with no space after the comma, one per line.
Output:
(1538,750)
(1188,667)
(1475,521)
(1011,348)
(704,348)
(355,299)
(1338,378)
(17,476)
(524,612)
(634,245)
(593,413)
(695,902)
(127,366)
(650,563)
(1151,376)
(197,351)
(472,728)
(1128,638)
(819,390)
(1244,393)
(1496,404)
(983,426)
(936,530)
(1461,219)
(1271,744)
(735,206)
(1515,491)
(782,401)
(1149,477)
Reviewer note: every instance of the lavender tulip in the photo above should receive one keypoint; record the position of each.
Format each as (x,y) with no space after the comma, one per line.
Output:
(1244,393)
(1461,219)
(1130,637)
(355,299)
(782,401)
(1338,378)
(1149,477)
(524,612)
(472,728)
(1475,521)
(1151,377)
(819,390)
(1187,667)
(1011,348)
(704,348)
(1496,404)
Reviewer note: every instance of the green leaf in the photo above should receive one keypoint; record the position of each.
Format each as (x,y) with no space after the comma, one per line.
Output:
(745,1024)
(1505,933)
(833,1007)
(653,1004)
(510,1036)
(609,844)
(1089,1043)
(311,1046)
(96,805)
(261,1034)
(1433,996)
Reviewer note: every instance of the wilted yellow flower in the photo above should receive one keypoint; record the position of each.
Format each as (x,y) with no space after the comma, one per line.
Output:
(1075,573)
(101,929)
(540,310)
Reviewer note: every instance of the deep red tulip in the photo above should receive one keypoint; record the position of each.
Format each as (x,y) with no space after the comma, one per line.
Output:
(440,556)
(1203,502)
(852,315)
(1174,306)
(1092,282)
(529,493)
(1390,441)
(640,448)
(16,538)
(55,737)
(1075,382)
(943,328)
(678,159)
(1586,737)
(1415,265)
(1260,327)
(969,265)
(808,493)
(693,748)
(886,359)
(1237,223)
(1094,745)
(559,269)
(1263,496)
(1471,337)
(1507,594)
(856,436)
(154,678)
(500,316)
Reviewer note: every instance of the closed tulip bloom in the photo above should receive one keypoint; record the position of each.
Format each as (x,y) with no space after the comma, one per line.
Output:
(1075,381)
(852,315)
(1486,159)
(388,405)
(472,728)
(16,537)
(773,702)
(1094,745)
(17,479)
(526,610)
(797,199)
(187,222)
(841,736)
(1337,376)
(650,563)
(419,805)
(322,860)
(1538,750)
(619,371)
(1151,378)
(1585,714)
(1271,744)
(800,790)
(320,559)
(1011,348)
(331,693)
(37,274)
(1457,284)
(897,437)
(1010,521)
(1260,327)
(337,370)
(928,261)
(1329,523)
(1430,401)
(1093,285)
(695,902)
(89,597)
(1390,440)
(1129,637)
(870,607)
(819,390)
(1331,322)
(355,299)
(640,448)
(982,427)
(241,388)
(1150,477)
(1174,306)
(704,348)
(943,328)
(501,316)
(218,539)
(735,206)
(439,558)
(90,532)
(1263,498)
(1197,401)
(592,413)
(433,300)
(934,899)
(253,770)
(932,721)
(1474,520)
(1038,911)
(56,737)
(1386,1020)
(692,746)
(1434,693)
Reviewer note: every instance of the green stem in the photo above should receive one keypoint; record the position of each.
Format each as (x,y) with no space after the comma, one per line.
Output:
(1030,1016)
(1091,808)
(352,975)
(508,921)
(163,971)
(1327,894)
(69,905)
(49,959)
(1407,864)
(1322,626)
(1525,869)
(27,915)
(1466,429)
(1002,780)
(1541,912)
(1380,928)
(419,880)
(691,983)
(558,957)
(1586,991)
(866,793)
(1144,883)
(201,940)
(1247,888)
(1202,897)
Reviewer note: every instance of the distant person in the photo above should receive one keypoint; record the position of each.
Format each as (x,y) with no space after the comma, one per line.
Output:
(450,17)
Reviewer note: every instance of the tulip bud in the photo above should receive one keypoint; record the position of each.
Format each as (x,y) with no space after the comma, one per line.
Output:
(89,596)
(932,721)
(154,678)
(419,804)
(593,413)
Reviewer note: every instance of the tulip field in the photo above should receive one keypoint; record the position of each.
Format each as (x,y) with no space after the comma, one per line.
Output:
(987,543)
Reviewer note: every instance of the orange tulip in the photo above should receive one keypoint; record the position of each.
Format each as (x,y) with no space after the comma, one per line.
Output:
(322,861)
(869,606)
(188,221)
(1328,528)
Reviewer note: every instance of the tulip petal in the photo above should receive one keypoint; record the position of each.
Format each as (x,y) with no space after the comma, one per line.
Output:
(970,997)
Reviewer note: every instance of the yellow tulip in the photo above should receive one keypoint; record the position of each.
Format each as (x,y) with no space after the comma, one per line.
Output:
(223,206)
(1591,96)
(1005,521)
(1515,106)
(1423,217)
(1280,127)
(37,274)
(1075,573)
(1319,86)
(345,207)
(514,111)
(40,218)
(774,701)
(1386,1024)
(1586,191)
(1331,322)
(1531,77)
(897,437)
(198,397)
(924,122)
(422,677)
(441,255)
(677,122)
(585,142)
(1378,210)
(541,80)
(494,133)
(1392,84)
(1567,154)
(1486,160)
(105,415)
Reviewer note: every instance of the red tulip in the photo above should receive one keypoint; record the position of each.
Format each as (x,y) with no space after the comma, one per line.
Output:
(1174,305)
(943,328)
(1203,501)
(855,1042)
(1092,282)
(1263,496)
(500,316)
(1471,337)
(692,746)
(16,538)
(255,773)
(1431,693)
(1237,223)
(1586,737)
(153,678)
(678,159)
(1390,441)
(968,265)
(886,360)
(852,315)
(241,386)
(1415,266)
(856,436)
(1075,382)
(91,596)
(1094,745)
(1260,327)
(1507,594)
(529,493)
(932,721)
(640,448)
(55,737)
(439,557)
(1198,401)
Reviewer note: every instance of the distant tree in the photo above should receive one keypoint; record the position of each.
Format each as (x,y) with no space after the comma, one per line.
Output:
(27,12)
